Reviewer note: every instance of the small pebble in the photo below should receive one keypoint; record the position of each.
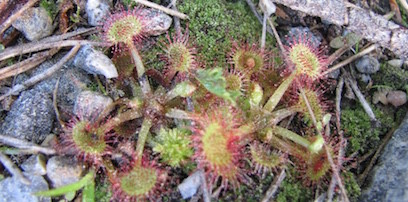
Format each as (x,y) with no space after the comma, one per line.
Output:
(157,22)
(63,170)
(397,98)
(97,11)
(35,165)
(190,185)
(12,190)
(31,117)
(396,63)
(35,23)
(90,104)
(305,34)
(368,65)
(95,62)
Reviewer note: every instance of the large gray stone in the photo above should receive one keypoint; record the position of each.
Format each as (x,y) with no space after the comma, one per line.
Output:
(34,23)
(63,170)
(31,117)
(389,178)
(97,11)
(95,62)
(72,81)
(12,190)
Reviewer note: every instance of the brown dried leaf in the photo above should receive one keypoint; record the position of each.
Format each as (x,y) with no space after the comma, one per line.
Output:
(394,7)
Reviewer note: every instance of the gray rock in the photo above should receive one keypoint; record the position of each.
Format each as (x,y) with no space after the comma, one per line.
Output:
(365,78)
(90,104)
(389,180)
(72,81)
(97,11)
(31,117)
(63,170)
(190,185)
(397,98)
(35,165)
(368,65)
(12,190)
(35,23)
(304,34)
(95,62)
(157,22)
(396,63)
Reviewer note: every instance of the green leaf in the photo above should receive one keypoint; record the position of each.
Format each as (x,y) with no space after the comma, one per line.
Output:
(214,82)
(86,180)
(88,194)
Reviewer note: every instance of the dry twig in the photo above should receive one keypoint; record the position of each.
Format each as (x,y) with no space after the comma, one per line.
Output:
(26,65)
(364,175)
(23,144)
(361,98)
(162,8)
(14,170)
(35,79)
(347,61)
(274,186)
(37,46)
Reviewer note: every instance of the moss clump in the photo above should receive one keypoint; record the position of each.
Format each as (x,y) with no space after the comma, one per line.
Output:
(215,23)
(50,6)
(293,190)
(352,187)
(357,126)
(102,192)
(173,146)
(393,77)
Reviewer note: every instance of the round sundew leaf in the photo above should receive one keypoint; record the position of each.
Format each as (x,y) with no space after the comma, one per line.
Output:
(215,145)
(89,142)
(139,182)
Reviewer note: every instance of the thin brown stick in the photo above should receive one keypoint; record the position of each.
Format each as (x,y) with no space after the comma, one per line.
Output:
(274,186)
(37,46)
(23,144)
(162,8)
(27,64)
(13,17)
(343,63)
(67,35)
(13,169)
(257,15)
(360,96)
(33,80)
(55,104)
(177,25)
(387,138)
(281,47)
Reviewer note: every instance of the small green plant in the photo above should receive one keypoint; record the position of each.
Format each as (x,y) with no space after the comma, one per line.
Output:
(174,146)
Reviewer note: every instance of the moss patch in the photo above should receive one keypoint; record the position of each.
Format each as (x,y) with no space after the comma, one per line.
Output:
(393,77)
(214,24)
(357,126)
(292,189)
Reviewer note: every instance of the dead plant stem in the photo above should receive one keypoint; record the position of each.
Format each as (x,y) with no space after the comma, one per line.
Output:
(13,169)
(162,8)
(274,186)
(35,79)
(23,144)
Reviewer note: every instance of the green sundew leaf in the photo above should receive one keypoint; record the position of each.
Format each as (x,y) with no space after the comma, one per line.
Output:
(86,180)
(88,194)
(215,83)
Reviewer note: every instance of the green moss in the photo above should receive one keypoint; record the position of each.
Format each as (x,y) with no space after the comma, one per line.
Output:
(393,77)
(50,6)
(214,24)
(102,192)
(357,126)
(292,189)
(249,192)
(173,146)
(351,185)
